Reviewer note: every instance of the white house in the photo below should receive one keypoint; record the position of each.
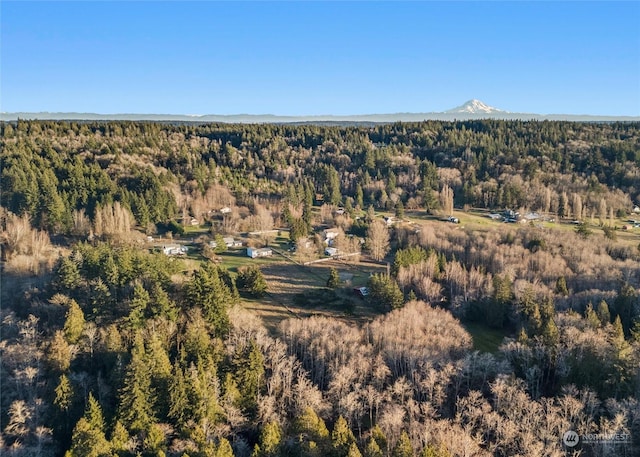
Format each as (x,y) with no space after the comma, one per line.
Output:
(231,242)
(225,210)
(174,249)
(259,252)
(330,235)
(331,252)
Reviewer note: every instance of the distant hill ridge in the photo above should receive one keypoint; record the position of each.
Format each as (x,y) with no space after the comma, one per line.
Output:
(472,109)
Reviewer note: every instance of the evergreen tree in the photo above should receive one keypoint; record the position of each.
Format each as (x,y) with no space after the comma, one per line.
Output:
(384,292)
(88,438)
(224,449)
(63,401)
(154,441)
(270,440)
(354,451)
(178,397)
(409,256)
(496,310)
(119,437)
(161,305)
(249,373)
(63,394)
(341,438)
(74,322)
(400,210)
(359,196)
(549,331)
(392,182)
(561,286)
(136,395)
(251,280)
(379,437)
(403,447)
(603,313)
(591,316)
(372,449)
(313,433)
(67,275)
(334,279)
(307,217)
(208,291)
(160,371)
(221,246)
(431,450)
(59,353)
(297,229)
(204,405)
(138,306)
(617,331)
(231,393)
(625,306)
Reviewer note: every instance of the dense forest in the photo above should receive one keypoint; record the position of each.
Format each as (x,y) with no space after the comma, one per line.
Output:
(109,348)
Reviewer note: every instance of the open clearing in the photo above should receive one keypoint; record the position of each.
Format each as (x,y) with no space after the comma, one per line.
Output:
(296,290)
(299,291)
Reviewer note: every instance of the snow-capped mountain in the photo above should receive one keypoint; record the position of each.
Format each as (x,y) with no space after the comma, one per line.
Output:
(475,107)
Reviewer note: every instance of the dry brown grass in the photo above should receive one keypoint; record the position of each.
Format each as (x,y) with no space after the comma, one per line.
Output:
(286,279)
(27,251)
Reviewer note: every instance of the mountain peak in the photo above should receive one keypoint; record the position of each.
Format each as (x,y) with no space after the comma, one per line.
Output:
(475,107)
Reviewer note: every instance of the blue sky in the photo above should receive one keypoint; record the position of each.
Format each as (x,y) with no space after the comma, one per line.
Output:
(298,58)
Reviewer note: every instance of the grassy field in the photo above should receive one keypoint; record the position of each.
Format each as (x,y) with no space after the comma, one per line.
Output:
(485,339)
(478,220)
(296,290)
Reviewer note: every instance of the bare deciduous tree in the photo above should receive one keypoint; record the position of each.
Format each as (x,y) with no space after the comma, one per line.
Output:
(378,239)
(113,220)
(446,200)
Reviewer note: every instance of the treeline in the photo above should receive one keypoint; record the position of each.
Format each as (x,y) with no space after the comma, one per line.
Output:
(51,170)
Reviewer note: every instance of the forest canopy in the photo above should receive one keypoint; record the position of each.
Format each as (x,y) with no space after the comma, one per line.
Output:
(112,348)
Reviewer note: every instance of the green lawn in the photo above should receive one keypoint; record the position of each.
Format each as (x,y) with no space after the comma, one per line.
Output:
(485,339)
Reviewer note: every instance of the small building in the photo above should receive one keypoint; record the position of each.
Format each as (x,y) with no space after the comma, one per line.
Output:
(259,252)
(194,221)
(225,210)
(389,220)
(508,214)
(174,249)
(636,209)
(231,242)
(340,211)
(331,252)
(453,220)
(330,235)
